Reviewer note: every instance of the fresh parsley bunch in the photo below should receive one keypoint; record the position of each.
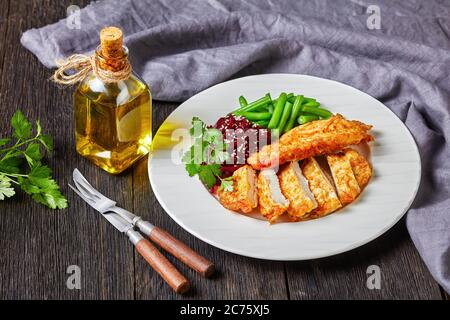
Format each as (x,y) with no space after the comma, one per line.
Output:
(206,154)
(24,147)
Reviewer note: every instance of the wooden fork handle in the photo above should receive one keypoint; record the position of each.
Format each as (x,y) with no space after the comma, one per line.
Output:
(182,252)
(159,263)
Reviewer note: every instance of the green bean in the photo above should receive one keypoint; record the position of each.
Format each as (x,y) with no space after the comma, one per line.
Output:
(324,113)
(313,104)
(294,114)
(254,116)
(273,123)
(288,98)
(285,116)
(292,98)
(242,101)
(307,99)
(254,105)
(304,118)
(259,109)
(262,123)
(270,108)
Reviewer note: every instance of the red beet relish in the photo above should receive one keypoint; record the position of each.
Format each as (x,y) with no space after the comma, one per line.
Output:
(240,125)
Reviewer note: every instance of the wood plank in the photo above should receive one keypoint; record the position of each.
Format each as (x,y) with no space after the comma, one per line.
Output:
(445,295)
(4,14)
(403,274)
(37,244)
(238,277)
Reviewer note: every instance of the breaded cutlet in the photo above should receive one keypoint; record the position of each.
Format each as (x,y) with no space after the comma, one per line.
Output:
(294,187)
(321,187)
(360,166)
(314,138)
(345,181)
(244,196)
(272,203)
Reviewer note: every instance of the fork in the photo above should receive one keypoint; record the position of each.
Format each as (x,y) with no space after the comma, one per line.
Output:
(172,245)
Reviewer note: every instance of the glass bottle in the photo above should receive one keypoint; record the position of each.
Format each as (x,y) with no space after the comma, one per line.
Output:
(113,121)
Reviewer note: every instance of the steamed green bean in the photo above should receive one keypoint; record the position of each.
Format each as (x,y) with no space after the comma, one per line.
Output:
(313,104)
(294,113)
(282,113)
(305,118)
(254,105)
(288,98)
(307,99)
(242,101)
(285,116)
(317,111)
(262,123)
(253,116)
(273,123)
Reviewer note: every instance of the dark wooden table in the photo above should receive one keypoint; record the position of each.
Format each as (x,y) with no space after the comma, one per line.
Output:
(37,245)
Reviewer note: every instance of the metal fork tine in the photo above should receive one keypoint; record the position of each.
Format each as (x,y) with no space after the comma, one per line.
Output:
(82,196)
(86,194)
(113,218)
(90,194)
(78,177)
(98,204)
(81,180)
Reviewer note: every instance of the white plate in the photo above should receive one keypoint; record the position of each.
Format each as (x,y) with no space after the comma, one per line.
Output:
(395,159)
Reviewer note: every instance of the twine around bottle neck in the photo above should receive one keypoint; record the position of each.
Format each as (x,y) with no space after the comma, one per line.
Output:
(83,65)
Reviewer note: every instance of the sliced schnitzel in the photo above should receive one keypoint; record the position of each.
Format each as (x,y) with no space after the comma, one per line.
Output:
(244,196)
(311,139)
(272,202)
(294,187)
(321,187)
(345,181)
(360,165)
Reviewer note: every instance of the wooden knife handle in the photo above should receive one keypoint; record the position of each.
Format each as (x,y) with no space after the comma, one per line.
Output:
(163,266)
(182,252)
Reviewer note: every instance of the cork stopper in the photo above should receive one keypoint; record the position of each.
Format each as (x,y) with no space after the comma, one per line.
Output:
(111,42)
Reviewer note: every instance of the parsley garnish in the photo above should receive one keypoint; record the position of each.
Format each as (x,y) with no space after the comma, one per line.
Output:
(24,147)
(226,184)
(206,154)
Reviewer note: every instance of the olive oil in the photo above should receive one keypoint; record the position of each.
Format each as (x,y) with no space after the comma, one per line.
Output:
(113,118)
(113,122)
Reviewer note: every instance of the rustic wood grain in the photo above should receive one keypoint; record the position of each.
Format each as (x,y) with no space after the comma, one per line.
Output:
(182,252)
(403,274)
(159,263)
(37,244)
(445,295)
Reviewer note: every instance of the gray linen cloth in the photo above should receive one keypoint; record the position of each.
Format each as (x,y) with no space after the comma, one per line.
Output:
(182,47)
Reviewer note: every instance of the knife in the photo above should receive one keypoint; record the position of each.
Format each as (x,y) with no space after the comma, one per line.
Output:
(172,245)
(125,221)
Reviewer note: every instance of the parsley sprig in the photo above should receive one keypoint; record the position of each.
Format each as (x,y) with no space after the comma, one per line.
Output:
(206,154)
(23,147)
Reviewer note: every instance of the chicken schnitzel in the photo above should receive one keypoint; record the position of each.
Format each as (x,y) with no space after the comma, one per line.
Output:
(312,139)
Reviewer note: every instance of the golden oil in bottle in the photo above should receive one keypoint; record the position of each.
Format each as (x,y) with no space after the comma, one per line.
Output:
(113,121)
